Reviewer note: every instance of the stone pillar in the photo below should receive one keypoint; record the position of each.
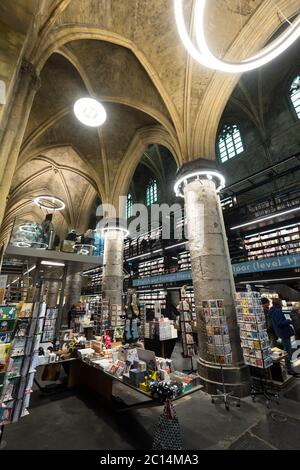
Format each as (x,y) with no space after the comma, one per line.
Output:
(52,293)
(198,182)
(72,290)
(112,280)
(73,287)
(11,136)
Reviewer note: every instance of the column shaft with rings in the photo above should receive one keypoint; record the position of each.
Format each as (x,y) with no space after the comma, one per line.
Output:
(198,182)
(112,280)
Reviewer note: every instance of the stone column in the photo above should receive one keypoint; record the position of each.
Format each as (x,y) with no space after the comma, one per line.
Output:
(11,136)
(73,287)
(52,293)
(198,182)
(72,290)
(112,280)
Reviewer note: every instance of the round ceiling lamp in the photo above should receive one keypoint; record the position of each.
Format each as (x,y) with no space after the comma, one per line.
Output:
(50,203)
(204,56)
(90,112)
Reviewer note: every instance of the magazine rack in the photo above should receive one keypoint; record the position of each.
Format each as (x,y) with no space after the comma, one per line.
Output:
(255,343)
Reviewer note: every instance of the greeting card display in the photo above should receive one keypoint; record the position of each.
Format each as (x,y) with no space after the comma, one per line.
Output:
(253,332)
(218,342)
(187,338)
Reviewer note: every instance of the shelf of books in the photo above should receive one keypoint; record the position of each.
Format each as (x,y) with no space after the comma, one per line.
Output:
(152,267)
(189,296)
(148,299)
(253,333)
(184,261)
(20,333)
(273,243)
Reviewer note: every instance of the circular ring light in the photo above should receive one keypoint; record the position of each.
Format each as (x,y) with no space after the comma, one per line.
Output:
(89,112)
(115,229)
(204,56)
(42,246)
(22,244)
(28,228)
(50,203)
(211,175)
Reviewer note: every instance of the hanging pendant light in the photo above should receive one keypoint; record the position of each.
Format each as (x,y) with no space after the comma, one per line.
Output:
(205,57)
(90,112)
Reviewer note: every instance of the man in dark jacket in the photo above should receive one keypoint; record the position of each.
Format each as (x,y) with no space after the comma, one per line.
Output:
(282,328)
(266,308)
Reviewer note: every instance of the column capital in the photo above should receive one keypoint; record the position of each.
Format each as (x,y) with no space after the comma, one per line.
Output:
(28,69)
(200,168)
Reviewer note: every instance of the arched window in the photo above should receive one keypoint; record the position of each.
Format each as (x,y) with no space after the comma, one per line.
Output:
(129,206)
(151,192)
(229,142)
(295,94)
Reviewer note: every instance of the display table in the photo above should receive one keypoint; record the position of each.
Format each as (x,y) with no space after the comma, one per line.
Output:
(82,374)
(162,348)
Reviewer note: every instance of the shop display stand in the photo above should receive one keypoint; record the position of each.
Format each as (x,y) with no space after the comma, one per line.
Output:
(218,346)
(223,396)
(19,376)
(48,332)
(250,312)
(187,340)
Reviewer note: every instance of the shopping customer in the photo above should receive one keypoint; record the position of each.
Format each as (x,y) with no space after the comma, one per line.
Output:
(295,316)
(266,308)
(282,328)
(71,314)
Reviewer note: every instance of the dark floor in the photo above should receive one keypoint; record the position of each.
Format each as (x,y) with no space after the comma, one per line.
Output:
(79,420)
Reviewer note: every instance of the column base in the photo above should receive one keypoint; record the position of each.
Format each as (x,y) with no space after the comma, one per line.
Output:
(236,378)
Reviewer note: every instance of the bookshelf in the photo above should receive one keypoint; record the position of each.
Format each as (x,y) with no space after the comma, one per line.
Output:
(184,261)
(152,267)
(147,299)
(274,243)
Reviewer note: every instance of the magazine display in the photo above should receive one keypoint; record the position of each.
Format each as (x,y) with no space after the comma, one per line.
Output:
(253,332)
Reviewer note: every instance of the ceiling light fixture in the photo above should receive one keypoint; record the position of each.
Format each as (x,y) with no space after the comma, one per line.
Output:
(270,280)
(273,216)
(113,230)
(28,228)
(209,174)
(204,56)
(52,263)
(90,112)
(50,203)
(22,244)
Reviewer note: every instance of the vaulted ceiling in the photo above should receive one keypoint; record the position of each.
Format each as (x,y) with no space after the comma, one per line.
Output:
(127,54)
